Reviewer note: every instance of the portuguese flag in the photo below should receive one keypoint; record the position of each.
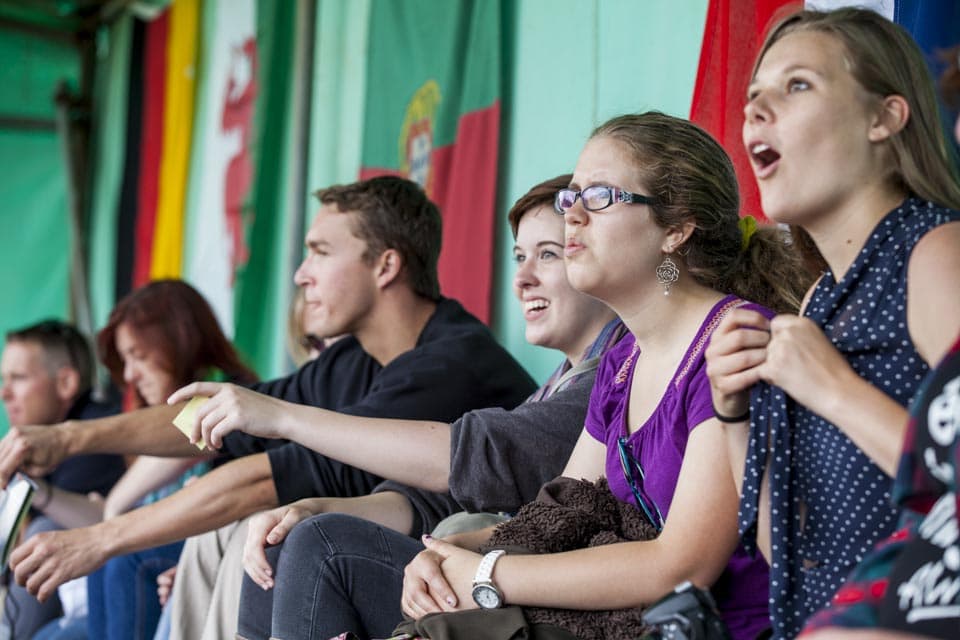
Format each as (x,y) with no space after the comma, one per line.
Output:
(433,115)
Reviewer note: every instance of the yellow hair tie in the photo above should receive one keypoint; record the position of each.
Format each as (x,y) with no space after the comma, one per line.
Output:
(748,227)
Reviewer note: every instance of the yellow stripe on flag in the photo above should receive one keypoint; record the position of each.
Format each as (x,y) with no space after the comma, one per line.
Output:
(168,237)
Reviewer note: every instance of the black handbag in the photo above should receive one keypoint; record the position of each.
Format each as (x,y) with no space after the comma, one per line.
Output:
(686,613)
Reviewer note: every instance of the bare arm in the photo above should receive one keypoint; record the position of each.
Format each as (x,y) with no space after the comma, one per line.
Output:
(224,495)
(146,474)
(66,508)
(632,573)
(347,439)
(685,549)
(146,431)
(71,510)
(933,292)
(870,418)
(341,437)
(587,460)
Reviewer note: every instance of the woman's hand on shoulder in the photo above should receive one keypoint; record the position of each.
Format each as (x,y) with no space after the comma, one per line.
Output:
(737,349)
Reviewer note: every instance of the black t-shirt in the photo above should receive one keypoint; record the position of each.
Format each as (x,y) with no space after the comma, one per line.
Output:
(456,366)
(339,377)
(93,472)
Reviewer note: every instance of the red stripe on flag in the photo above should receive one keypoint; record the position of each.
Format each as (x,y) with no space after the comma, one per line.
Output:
(732,36)
(464,178)
(470,201)
(154,89)
(374,172)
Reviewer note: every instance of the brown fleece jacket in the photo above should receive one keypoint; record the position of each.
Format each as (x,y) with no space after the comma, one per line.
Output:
(574,514)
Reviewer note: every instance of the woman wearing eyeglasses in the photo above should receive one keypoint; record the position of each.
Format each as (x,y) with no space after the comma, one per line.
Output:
(652,229)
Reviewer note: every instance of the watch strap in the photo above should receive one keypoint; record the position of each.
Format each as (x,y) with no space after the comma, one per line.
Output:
(485,570)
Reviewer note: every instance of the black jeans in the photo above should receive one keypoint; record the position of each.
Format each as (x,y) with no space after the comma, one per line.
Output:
(333,573)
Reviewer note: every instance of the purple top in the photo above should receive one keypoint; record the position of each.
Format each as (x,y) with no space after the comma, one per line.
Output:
(659,445)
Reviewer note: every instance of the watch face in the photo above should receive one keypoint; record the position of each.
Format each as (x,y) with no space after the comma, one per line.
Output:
(486,596)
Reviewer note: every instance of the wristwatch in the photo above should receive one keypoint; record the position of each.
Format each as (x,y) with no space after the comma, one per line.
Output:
(485,593)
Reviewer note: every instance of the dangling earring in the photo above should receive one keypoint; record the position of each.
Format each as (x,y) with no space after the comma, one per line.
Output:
(667,273)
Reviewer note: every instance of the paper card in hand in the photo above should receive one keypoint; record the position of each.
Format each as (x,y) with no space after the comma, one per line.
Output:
(184,419)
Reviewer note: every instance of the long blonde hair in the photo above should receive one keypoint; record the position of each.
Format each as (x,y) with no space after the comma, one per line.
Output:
(886,61)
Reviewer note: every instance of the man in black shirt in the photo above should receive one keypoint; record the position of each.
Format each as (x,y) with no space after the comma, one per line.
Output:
(47,371)
(370,271)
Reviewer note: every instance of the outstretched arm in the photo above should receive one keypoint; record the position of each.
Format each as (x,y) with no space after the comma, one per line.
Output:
(70,509)
(226,494)
(38,449)
(146,474)
(67,508)
(339,436)
(627,574)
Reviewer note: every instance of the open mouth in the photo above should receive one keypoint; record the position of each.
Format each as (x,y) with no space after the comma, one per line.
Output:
(533,306)
(763,156)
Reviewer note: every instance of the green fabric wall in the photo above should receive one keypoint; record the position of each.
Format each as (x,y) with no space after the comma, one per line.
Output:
(570,66)
(34,219)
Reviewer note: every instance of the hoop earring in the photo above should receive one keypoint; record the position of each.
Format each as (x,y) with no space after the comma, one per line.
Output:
(667,274)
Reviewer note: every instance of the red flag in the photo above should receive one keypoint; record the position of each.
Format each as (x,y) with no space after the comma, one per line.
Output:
(731,38)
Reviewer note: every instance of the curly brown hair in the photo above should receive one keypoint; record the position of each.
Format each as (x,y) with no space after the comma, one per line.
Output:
(692,179)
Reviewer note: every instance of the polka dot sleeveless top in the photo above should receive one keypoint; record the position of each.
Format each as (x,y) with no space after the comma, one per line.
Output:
(846,496)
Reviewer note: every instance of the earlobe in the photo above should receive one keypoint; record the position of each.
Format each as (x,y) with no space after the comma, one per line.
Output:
(891,119)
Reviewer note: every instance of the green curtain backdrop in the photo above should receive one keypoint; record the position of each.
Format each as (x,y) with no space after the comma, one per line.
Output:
(565,66)
(34,218)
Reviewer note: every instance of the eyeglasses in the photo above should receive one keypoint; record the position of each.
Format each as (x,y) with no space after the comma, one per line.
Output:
(596,198)
(632,469)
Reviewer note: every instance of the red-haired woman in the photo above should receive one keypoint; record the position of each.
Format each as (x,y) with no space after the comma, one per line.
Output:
(157,339)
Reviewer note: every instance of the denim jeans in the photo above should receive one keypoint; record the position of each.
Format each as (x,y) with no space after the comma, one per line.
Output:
(333,573)
(64,629)
(122,596)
